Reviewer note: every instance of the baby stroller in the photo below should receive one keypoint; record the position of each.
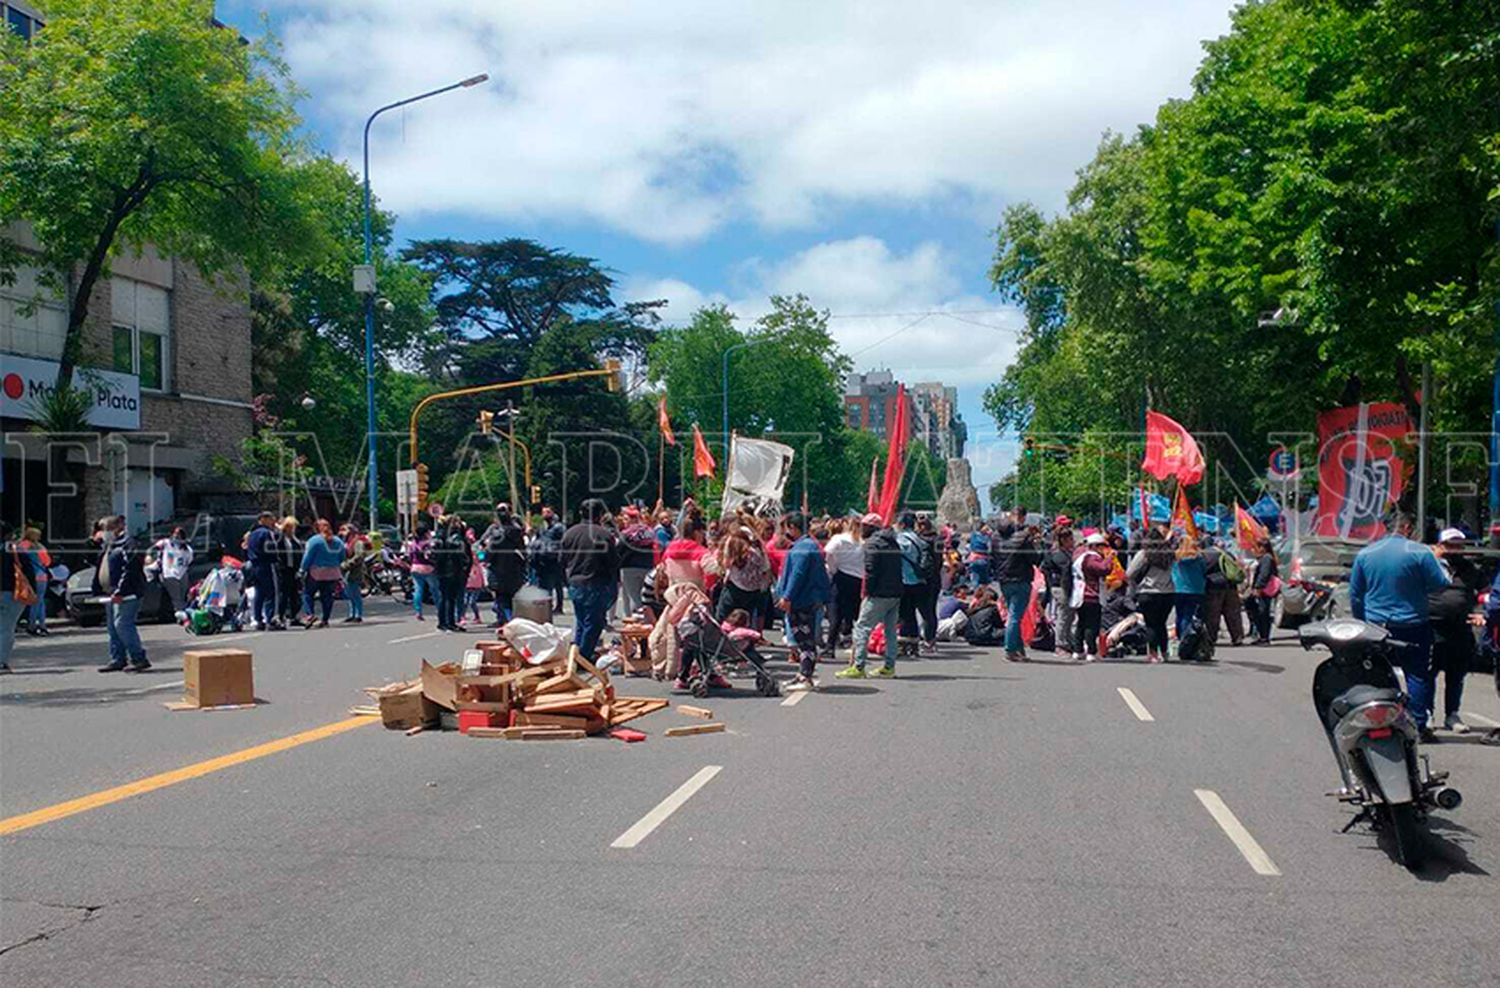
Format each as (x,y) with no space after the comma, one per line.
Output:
(215,602)
(704,644)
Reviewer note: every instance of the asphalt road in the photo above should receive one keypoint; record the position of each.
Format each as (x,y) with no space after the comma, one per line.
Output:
(974,822)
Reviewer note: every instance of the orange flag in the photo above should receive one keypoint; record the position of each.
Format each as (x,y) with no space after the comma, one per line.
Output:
(703,460)
(1247,531)
(1182,514)
(663,423)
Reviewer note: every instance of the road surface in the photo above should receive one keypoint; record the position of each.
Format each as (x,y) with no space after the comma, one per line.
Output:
(974,822)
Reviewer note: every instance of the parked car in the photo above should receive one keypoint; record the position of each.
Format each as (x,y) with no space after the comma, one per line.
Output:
(212,537)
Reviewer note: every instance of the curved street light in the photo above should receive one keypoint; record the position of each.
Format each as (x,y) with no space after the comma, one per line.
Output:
(364,282)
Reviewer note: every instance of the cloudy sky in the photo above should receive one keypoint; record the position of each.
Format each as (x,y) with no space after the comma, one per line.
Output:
(858,152)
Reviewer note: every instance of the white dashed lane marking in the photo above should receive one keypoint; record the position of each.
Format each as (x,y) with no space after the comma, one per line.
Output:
(666,808)
(1134,703)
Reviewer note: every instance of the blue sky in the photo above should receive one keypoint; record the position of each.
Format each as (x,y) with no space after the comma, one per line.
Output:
(859,152)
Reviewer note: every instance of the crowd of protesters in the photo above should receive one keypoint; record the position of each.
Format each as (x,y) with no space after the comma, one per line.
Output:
(834,586)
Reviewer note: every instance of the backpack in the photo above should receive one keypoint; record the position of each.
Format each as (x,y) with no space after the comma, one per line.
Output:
(1044,639)
(1231,568)
(925,561)
(1193,644)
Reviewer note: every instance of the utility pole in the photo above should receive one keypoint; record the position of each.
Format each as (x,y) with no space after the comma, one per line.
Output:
(1422,450)
(510,420)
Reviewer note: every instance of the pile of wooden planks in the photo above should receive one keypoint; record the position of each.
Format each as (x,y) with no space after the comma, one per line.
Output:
(496,693)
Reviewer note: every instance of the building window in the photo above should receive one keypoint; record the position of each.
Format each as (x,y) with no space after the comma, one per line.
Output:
(141,332)
(33,318)
(21,23)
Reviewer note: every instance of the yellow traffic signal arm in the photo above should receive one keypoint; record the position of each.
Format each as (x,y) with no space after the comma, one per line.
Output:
(610,370)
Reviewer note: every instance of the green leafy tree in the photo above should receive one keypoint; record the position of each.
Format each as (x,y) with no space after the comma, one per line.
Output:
(131,124)
(1304,230)
(785,383)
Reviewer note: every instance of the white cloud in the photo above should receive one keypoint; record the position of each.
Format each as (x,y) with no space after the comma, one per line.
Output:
(904,311)
(666,120)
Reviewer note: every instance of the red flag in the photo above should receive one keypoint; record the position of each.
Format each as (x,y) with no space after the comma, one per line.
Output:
(1171,451)
(1145,510)
(663,423)
(1182,514)
(1247,531)
(703,460)
(895,463)
(1360,471)
(872,500)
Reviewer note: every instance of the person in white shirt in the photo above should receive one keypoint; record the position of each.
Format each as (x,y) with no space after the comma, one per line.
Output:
(171,557)
(845,556)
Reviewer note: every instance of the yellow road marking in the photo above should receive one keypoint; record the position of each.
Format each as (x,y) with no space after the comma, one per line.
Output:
(151,783)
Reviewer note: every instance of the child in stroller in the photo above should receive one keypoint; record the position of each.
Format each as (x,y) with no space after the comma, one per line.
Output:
(704,644)
(736,625)
(215,602)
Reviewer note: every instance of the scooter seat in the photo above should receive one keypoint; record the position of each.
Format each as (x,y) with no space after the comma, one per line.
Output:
(1357,696)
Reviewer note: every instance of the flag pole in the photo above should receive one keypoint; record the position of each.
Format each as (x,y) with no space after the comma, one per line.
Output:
(661,467)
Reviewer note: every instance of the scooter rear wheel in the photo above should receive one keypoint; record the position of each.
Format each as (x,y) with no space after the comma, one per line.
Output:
(1411,847)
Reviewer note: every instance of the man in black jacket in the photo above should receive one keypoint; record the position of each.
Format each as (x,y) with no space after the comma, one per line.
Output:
(451,556)
(882,602)
(1016,557)
(591,560)
(120,574)
(504,545)
(1451,612)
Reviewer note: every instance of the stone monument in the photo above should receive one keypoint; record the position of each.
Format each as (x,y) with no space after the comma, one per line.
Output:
(958,505)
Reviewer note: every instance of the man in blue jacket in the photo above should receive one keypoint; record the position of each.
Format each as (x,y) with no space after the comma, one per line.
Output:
(260,558)
(802,589)
(1389,586)
(120,574)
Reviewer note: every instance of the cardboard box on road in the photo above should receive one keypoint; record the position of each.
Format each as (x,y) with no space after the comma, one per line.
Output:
(407,709)
(217,677)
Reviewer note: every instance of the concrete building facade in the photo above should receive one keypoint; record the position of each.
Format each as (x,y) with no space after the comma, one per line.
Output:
(870,403)
(166,356)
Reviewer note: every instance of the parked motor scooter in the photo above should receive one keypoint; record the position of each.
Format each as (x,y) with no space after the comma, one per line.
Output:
(1305,601)
(1361,699)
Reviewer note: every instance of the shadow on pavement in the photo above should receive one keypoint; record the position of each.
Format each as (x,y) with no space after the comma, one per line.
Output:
(1265,667)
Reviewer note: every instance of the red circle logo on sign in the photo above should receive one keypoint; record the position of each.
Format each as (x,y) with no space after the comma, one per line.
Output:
(14,386)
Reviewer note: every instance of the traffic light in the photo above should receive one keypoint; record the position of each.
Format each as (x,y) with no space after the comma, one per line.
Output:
(1028,445)
(536,493)
(421,469)
(486,422)
(616,380)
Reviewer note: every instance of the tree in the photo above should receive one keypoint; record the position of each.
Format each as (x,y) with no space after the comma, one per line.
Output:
(786,383)
(309,329)
(1336,164)
(496,299)
(133,124)
(513,309)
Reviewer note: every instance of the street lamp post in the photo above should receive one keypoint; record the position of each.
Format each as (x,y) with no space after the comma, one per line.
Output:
(364,281)
(724,381)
